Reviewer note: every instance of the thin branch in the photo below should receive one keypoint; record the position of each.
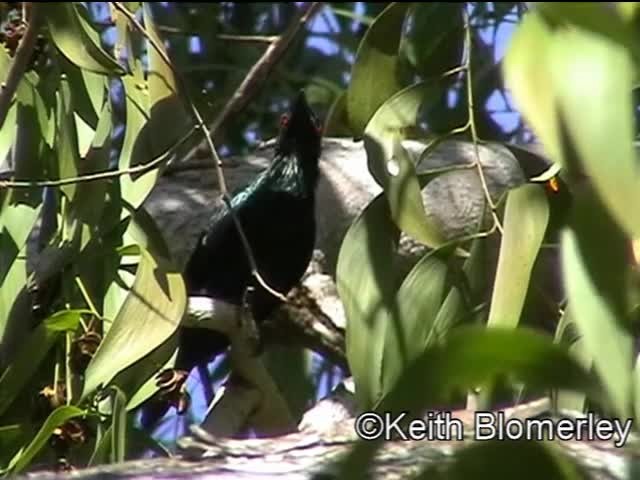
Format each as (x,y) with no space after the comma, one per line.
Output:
(259,72)
(472,126)
(20,62)
(248,38)
(100,175)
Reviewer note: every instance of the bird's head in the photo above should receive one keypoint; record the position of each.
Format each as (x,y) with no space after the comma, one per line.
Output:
(300,131)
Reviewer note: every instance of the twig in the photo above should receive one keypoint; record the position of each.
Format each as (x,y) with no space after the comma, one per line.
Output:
(20,62)
(472,126)
(212,149)
(248,38)
(99,175)
(259,72)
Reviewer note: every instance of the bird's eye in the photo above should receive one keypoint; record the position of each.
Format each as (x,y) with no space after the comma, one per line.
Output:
(284,120)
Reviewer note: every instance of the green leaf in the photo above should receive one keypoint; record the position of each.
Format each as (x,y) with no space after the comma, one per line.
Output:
(525,222)
(89,202)
(89,92)
(374,77)
(529,78)
(418,301)
(150,314)
(32,353)
(366,290)
(134,189)
(140,379)
(59,416)
(596,283)
(8,131)
(66,140)
(391,166)
(119,426)
(467,358)
(473,356)
(456,307)
(572,401)
(598,112)
(336,123)
(169,119)
(77,40)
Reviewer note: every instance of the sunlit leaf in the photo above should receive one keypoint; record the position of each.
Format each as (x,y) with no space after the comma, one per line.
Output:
(149,316)
(392,167)
(140,380)
(90,196)
(134,189)
(66,140)
(598,110)
(119,426)
(525,222)
(77,40)
(374,77)
(530,80)
(89,92)
(169,119)
(8,132)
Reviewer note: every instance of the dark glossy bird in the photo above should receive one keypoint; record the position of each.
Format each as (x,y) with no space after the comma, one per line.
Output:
(277,214)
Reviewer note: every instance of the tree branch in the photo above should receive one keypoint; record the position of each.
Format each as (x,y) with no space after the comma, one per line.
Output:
(256,77)
(20,62)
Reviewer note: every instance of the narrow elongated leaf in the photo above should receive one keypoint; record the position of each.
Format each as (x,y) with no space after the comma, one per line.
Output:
(596,284)
(8,133)
(77,40)
(374,77)
(366,289)
(598,111)
(149,316)
(31,354)
(456,306)
(392,167)
(135,189)
(169,119)
(119,427)
(472,356)
(89,92)
(572,401)
(145,369)
(529,79)
(418,301)
(60,415)
(525,222)
(66,140)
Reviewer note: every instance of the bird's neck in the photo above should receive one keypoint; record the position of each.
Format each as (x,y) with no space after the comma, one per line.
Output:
(295,174)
